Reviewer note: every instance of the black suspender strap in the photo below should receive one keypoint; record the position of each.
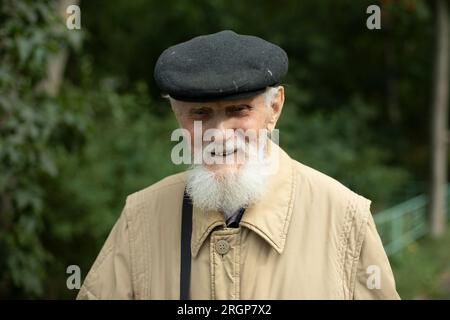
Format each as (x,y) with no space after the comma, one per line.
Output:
(185,261)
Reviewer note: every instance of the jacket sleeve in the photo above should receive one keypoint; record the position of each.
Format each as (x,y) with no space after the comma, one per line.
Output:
(110,275)
(374,277)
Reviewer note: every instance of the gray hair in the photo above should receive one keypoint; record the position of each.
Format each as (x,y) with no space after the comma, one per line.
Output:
(269,95)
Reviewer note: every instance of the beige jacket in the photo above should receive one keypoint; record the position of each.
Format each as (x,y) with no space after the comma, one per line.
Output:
(309,238)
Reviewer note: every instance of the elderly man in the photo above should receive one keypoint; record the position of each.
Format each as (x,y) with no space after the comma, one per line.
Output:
(264,227)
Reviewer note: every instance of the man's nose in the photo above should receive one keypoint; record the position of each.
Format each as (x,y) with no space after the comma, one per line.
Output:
(226,127)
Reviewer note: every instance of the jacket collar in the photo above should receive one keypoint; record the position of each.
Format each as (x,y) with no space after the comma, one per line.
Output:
(269,218)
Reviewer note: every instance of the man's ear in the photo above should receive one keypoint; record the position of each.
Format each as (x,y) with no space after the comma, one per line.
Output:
(275,108)
(172,105)
(176,108)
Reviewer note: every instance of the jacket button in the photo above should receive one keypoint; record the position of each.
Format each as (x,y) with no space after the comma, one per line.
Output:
(222,247)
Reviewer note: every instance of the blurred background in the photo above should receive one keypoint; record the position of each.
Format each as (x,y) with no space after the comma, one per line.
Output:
(82,124)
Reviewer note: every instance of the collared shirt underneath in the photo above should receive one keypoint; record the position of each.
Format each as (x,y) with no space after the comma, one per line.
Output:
(232,219)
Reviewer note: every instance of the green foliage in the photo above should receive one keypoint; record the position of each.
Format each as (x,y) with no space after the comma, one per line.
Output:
(29,122)
(422,271)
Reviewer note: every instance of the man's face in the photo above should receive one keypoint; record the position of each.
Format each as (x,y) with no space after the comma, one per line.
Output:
(251,114)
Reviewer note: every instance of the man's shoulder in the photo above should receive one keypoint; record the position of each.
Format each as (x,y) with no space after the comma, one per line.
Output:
(167,187)
(317,179)
(322,187)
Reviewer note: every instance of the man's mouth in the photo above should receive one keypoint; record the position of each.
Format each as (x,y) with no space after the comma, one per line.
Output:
(225,153)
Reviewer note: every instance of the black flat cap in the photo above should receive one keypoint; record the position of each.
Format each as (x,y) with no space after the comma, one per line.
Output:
(223,65)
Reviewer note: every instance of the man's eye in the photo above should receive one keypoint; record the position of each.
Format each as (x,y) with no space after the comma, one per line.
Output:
(200,112)
(239,109)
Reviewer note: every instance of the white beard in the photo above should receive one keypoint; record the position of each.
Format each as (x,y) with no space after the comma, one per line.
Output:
(230,190)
